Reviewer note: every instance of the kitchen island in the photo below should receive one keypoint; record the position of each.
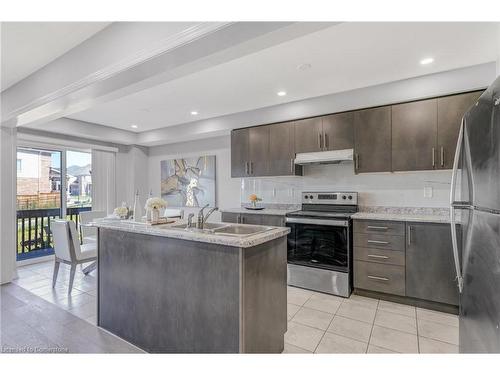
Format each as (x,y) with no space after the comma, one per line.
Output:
(167,289)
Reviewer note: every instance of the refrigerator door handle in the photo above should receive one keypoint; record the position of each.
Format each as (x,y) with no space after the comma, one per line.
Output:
(452,207)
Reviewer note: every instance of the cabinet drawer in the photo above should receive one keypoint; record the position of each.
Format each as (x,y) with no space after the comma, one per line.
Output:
(379,256)
(383,278)
(396,228)
(379,241)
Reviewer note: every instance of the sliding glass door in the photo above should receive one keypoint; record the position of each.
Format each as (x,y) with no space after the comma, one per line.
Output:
(39,199)
(49,182)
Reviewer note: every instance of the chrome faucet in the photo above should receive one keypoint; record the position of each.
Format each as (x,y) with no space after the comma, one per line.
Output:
(202,219)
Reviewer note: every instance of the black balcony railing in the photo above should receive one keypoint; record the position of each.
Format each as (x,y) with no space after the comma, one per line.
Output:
(34,237)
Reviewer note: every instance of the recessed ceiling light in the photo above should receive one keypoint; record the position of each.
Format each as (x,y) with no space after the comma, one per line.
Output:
(134,126)
(304,66)
(281,93)
(194,113)
(427,61)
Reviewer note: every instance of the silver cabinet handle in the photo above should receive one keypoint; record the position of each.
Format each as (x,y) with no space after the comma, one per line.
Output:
(326,141)
(246,168)
(442,156)
(291,165)
(251,167)
(409,234)
(356,162)
(320,141)
(379,242)
(376,228)
(238,219)
(377,256)
(378,278)
(433,157)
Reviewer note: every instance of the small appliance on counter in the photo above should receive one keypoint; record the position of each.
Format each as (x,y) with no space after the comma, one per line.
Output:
(320,242)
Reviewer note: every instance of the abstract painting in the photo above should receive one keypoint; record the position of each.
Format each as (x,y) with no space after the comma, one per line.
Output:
(188,182)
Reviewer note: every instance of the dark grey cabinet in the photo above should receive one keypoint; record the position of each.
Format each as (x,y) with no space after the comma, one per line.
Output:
(430,269)
(309,135)
(258,151)
(450,110)
(282,150)
(338,131)
(239,153)
(414,135)
(372,140)
(230,217)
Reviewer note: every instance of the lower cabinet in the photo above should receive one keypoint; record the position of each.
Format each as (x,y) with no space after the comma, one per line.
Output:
(254,219)
(405,259)
(430,268)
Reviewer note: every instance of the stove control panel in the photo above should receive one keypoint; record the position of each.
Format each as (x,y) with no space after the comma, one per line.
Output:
(340,198)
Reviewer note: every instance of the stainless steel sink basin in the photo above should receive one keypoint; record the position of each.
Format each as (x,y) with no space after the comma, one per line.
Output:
(223,229)
(206,226)
(241,230)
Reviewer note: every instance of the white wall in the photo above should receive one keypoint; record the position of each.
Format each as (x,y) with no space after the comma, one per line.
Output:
(375,189)
(227,189)
(7,204)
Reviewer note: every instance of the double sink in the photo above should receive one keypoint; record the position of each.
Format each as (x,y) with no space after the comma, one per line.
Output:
(224,229)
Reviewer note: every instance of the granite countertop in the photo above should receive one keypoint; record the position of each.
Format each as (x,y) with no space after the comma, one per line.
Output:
(265,211)
(413,214)
(165,230)
(402,217)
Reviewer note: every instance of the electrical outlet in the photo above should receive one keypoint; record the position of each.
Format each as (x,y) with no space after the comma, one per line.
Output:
(428,192)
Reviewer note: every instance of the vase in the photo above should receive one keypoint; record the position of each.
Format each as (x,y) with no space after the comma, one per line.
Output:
(155,215)
(254,204)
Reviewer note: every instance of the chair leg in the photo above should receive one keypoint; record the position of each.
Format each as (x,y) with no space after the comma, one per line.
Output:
(56,271)
(92,266)
(71,277)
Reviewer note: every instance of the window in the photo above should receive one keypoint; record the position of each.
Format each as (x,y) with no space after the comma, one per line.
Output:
(19,165)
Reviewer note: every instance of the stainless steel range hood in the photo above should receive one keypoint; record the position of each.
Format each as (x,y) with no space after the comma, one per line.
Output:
(325,157)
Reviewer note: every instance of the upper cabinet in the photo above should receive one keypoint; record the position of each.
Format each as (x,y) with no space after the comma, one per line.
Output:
(414,135)
(326,133)
(450,110)
(419,135)
(372,140)
(338,131)
(239,153)
(282,150)
(264,151)
(309,135)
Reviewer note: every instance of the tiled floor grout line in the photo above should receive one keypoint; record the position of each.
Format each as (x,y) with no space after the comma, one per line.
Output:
(418,335)
(373,325)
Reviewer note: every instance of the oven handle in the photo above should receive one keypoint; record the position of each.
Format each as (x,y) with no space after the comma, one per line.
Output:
(331,223)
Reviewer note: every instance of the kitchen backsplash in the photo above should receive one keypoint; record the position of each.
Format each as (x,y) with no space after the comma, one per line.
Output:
(375,189)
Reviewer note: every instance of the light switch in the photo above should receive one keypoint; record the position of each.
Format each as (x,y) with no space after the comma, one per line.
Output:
(428,192)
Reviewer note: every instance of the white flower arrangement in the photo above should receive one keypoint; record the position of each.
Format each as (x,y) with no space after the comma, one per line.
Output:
(155,203)
(121,211)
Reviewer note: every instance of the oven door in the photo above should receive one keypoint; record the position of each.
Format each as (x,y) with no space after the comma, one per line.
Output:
(319,243)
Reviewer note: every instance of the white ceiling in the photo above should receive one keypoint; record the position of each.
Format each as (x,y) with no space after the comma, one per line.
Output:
(342,57)
(28,46)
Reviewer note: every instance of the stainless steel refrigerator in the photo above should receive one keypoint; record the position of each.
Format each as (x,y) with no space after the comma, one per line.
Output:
(475,195)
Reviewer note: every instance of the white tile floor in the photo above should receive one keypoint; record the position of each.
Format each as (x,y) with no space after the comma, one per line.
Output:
(317,322)
(321,323)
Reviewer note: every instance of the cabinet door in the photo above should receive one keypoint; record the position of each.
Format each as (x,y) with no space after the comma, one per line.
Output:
(450,111)
(372,140)
(430,270)
(308,135)
(282,150)
(273,220)
(239,153)
(254,219)
(230,217)
(338,131)
(258,151)
(414,135)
